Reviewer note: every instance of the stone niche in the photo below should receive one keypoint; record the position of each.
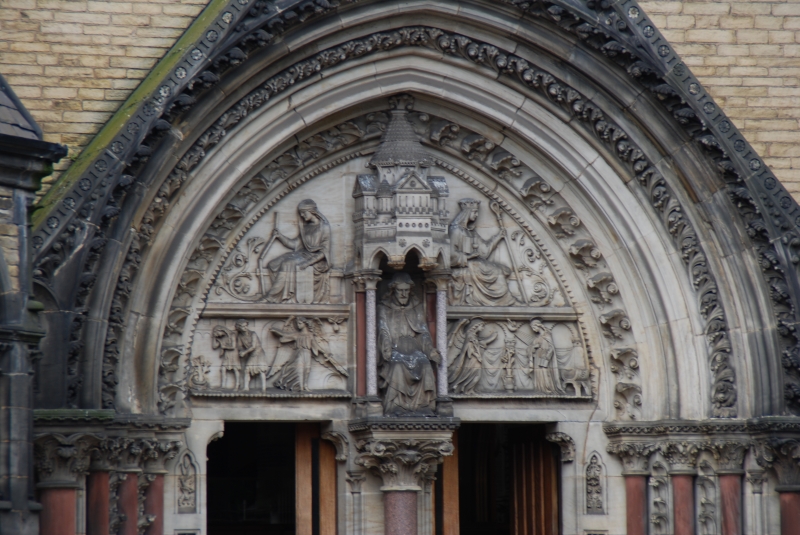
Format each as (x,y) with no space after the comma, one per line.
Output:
(279,317)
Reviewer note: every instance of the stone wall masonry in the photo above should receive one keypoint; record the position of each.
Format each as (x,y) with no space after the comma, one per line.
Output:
(73,63)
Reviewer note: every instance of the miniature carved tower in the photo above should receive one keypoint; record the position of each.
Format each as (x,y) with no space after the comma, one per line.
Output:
(400,208)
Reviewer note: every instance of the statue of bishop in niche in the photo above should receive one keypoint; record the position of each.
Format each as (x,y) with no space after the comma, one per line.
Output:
(406,372)
(310,249)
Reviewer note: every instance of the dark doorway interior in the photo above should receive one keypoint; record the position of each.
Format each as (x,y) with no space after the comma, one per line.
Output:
(507,480)
(251,480)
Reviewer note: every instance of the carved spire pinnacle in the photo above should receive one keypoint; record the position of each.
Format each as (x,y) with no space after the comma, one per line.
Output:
(400,146)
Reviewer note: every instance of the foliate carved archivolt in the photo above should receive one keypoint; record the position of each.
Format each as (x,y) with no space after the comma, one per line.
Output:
(402,464)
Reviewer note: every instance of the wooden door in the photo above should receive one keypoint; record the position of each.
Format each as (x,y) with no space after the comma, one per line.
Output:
(534,468)
(315,482)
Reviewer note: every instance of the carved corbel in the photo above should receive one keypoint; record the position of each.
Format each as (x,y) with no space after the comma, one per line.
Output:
(339,440)
(566,444)
(681,456)
(635,456)
(783,456)
(729,455)
(60,460)
(402,464)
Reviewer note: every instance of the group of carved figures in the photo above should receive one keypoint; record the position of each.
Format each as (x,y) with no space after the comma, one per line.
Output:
(476,279)
(242,354)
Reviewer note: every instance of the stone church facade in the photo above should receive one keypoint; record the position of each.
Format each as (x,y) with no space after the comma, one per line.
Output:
(381,267)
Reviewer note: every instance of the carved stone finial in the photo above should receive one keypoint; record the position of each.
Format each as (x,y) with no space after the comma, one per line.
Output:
(60,460)
(402,464)
(634,456)
(566,443)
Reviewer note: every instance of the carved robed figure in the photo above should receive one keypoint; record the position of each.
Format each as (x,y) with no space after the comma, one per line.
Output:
(477,280)
(310,249)
(407,350)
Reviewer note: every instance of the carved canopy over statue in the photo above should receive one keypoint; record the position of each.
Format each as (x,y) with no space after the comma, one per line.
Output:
(406,350)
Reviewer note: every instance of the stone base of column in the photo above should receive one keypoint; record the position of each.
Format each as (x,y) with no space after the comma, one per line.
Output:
(58,516)
(790,513)
(444,407)
(400,512)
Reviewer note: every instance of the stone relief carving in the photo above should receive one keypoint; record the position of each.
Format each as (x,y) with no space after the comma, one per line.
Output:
(594,486)
(293,355)
(480,281)
(143,521)
(537,358)
(187,485)
(660,500)
(706,496)
(406,350)
(301,275)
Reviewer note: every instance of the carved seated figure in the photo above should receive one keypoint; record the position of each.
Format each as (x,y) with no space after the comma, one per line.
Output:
(477,280)
(407,379)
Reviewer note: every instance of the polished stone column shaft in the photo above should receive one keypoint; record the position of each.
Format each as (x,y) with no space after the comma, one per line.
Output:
(790,513)
(683,502)
(400,512)
(97,503)
(372,341)
(730,490)
(58,516)
(361,343)
(154,504)
(636,504)
(441,340)
(128,503)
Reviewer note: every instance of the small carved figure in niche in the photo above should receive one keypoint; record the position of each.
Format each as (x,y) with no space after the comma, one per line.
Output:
(465,368)
(476,279)
(542,362)
(407,350)
(225,340)
(311,248)
(251,354)
(594,489)
(508,358)
(187,486)
(309,342)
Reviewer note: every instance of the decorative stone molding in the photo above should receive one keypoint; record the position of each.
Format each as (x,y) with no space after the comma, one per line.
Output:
(594,486)
(566,443)
(143,521)
(60,460)
(402,464)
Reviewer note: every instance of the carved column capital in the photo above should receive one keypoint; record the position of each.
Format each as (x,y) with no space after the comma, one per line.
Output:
(367,279)
(566,443)
(783,456)
(402,464)
(681,456)
(756,479)
(634,456)
(156,453)
(729,455)
(60,460)
(355,479)
(440,278)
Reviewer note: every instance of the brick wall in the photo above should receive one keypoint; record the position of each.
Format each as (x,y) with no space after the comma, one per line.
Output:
(73,63)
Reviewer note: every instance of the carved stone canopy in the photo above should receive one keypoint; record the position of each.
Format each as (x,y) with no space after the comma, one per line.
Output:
(403,453)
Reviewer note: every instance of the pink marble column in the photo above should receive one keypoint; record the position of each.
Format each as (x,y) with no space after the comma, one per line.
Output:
(730,490)
(441,340)
(97,503)
(790,513)
(128,503)
(154,504)
(683,502)
(636,504)
(372,338)
(58,516)
(400,512)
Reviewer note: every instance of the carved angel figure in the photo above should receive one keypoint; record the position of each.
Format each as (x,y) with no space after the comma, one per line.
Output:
(224,340)
(309,342)
(467,355)
(476,279)
(310,249)
(407,350)
(542,363)
(251,353)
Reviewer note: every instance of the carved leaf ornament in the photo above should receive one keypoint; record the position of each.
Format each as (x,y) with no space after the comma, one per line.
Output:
(620,31)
